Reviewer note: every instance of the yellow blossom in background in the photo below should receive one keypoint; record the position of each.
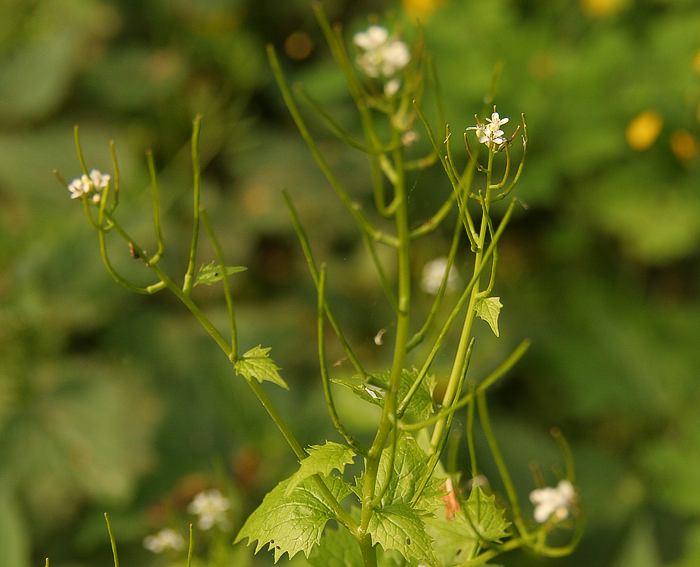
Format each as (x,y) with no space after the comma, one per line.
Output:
(643,130)
(602,8)
(421,9)
(684,145)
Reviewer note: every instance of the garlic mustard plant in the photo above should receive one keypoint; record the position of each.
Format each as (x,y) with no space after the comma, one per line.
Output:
(407,502)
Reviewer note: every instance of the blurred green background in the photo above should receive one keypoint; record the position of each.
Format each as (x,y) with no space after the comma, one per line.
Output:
(115,402)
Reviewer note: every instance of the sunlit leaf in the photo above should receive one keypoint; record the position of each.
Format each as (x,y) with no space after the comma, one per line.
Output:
(488,309)
(323,460)
(294,522)
(257,364)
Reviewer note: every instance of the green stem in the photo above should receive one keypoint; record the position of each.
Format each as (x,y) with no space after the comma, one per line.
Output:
(466,294)
(500,464)
(353,208)
(190,548)
(116,174)
(79,149)
(155,197)
(388,417)
(324,367)
(112,541)
(487,382)
(420,334)
(369,555)
(313,270)
(435,456)
(490,554)
(451,390)
(189,273)
(226,283)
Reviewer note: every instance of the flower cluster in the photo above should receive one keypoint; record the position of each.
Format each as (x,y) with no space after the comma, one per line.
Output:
(166,539)
(433,272)
(211,507)
(490,133)
(556,502)
(381,56)
(87,185)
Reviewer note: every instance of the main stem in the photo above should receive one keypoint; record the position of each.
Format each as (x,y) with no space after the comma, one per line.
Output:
(451,391)
(388,417)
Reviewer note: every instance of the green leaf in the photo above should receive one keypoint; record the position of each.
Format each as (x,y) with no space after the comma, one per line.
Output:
(409,469)
(211,273)
(323,460)
(338,548)
(256,363)
(454,538)
(488,519)
(488,309)
(294,522)
(400,528)
(457,537)
(375,387)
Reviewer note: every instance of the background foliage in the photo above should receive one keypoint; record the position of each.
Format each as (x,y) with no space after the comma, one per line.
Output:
(114,402)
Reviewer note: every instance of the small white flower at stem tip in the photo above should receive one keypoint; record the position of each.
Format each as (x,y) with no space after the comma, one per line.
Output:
(381,56)
(166,539)
(553,502)
(91,184)
(490,133)
(211,507)
(433,273)
(99,180)
(78,187)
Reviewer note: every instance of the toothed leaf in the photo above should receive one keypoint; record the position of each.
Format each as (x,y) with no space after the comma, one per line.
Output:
(323,460)
(398,527)
(257,364)
(294,522)
(211,273)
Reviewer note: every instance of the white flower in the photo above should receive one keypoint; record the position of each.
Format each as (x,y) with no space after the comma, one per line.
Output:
(490,133)
(373,38)
(165,539)
(381,56)
(395,57)
(392,87)
(433,273)
(211,507)
(79,186)
(555,502)
(92,184)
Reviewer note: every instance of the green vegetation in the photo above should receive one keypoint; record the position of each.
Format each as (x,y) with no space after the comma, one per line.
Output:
(115,402)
